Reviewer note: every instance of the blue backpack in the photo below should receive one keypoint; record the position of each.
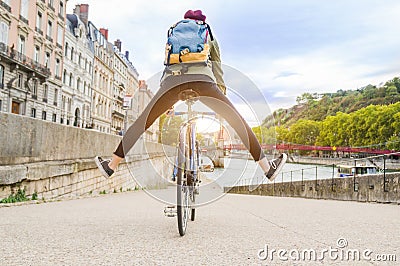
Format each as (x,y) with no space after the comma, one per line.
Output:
(188,42)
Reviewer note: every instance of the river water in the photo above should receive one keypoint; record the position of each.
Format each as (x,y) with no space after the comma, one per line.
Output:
(245,172)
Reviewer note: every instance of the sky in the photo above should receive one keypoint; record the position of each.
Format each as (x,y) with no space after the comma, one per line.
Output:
(285,48)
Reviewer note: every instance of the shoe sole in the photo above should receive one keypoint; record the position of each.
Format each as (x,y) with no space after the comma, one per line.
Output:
(102,171)
(272,178)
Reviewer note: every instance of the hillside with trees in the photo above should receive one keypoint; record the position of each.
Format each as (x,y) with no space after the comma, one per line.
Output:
(366,117)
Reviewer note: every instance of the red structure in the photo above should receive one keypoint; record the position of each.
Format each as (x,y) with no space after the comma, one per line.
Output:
(301,147)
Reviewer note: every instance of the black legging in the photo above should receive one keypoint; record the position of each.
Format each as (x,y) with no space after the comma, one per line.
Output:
(209,94)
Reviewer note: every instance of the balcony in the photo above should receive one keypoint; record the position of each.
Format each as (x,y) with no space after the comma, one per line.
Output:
(39,31)
(49,38)
(118,114)
(34,96)
(61,16)
(55,103)
(45,100)
(20,61)
(59,46)
(51,7)
(6,7)
(23,19)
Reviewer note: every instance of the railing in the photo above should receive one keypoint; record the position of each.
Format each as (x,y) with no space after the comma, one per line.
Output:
(51,7)
(325,172)
(6,6)
(23,19)
(23,60)
(39,31)
(49,38)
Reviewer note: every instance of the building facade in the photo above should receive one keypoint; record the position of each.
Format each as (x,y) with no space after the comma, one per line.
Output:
(144,95)
(102,98)
(76,95)
(126,84)
(31,53)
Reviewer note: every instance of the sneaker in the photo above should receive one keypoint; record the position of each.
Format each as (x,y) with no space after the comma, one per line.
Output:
(276,166)
(105,170)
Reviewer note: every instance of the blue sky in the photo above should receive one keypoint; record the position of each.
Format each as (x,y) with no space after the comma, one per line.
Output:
(285,47)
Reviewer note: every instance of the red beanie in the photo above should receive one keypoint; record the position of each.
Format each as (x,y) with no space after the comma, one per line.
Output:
(197,14)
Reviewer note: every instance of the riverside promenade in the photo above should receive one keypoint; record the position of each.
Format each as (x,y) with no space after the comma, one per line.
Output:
(129,228)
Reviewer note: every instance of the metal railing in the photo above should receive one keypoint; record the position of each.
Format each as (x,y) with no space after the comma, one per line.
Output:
(325,172)
(6,6)
(23,60)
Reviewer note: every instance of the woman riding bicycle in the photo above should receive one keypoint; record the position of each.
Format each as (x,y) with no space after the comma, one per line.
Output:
(201,72)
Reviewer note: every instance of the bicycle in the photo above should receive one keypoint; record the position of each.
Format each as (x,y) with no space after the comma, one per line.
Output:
(186,168)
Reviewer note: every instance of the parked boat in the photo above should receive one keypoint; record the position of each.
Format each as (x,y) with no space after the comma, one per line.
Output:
(349,170)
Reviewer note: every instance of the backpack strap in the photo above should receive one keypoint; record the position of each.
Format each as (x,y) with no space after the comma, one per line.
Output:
(210,32)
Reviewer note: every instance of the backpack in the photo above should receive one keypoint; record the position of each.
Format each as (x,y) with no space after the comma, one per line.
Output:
(188,42)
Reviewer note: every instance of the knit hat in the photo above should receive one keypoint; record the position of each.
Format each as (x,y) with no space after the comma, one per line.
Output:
(197,14)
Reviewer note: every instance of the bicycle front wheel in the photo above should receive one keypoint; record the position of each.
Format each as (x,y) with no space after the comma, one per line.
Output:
(182,188)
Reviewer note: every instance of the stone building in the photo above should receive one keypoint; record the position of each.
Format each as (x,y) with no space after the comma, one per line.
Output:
(144,95)
(31,57)
(102,98)
(125,85)
(76,95)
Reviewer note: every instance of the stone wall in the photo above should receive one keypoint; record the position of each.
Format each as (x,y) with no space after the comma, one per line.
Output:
(54,160)
(368,188)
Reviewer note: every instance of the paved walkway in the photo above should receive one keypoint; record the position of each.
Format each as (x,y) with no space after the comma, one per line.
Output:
(130,229)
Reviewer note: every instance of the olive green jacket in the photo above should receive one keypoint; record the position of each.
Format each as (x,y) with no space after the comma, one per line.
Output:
(213,69)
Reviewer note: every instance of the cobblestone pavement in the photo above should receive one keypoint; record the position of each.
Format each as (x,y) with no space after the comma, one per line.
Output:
(130,229)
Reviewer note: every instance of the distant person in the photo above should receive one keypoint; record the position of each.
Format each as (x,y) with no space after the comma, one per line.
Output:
(192,62)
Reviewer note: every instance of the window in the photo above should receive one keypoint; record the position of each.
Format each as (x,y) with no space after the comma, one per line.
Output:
(55,96)
(20,80)
(37,54)
(72,53)
(33,112)
(59,35)
(1,77)
(78,84)
(39,20)
(57,68)
(4,28)
(34,89)
(47,60)
(79,59)
(44,115)
(24,8)
(70,79)
(61,10)
(54,119)
(65,77)
(1,105)
(49,28)
(21,46)
(66,50)
(45,92)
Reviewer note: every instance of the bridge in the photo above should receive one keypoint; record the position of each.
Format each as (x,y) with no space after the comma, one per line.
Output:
(301,147)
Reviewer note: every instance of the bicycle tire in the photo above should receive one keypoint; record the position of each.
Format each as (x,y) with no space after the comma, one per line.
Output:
(182,198)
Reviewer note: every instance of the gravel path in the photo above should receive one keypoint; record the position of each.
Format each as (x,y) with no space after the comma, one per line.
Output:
(130,229)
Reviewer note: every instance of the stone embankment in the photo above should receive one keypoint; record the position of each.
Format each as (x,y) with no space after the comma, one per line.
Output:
(53,161)
(370,188)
